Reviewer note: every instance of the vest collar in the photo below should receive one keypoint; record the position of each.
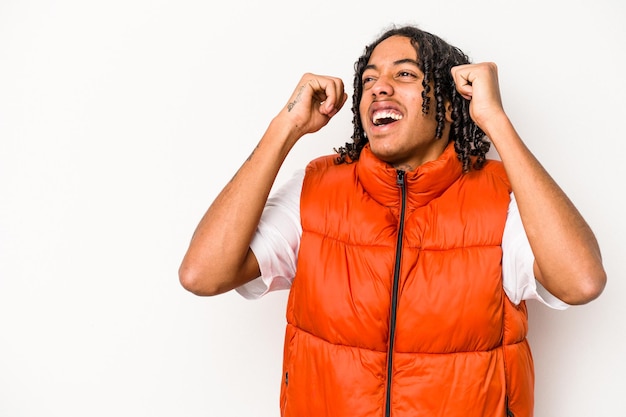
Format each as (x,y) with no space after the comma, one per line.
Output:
(426,182)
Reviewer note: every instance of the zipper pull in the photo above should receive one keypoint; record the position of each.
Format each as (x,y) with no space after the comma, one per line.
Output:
(400,178)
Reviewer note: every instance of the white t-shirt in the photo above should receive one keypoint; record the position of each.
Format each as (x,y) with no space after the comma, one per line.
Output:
(277,241)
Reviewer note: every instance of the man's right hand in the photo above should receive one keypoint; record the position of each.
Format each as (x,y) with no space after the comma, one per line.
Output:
(316,99)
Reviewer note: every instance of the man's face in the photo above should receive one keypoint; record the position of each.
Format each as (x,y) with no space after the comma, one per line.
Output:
(391,107)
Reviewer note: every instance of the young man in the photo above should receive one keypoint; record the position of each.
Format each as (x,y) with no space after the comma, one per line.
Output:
(411,263)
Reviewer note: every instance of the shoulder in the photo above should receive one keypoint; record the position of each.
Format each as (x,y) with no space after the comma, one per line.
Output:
(328,168)
(322,163)
(492,171)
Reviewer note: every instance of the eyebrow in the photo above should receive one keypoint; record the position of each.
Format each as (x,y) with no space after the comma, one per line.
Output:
(395,63)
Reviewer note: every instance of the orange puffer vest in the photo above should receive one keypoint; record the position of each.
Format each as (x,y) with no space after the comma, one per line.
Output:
(392,318)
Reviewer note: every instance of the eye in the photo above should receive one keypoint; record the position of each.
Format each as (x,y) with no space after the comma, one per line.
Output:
(406,74)
(367,79)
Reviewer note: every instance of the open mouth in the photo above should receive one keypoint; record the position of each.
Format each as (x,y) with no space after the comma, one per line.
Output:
(384,117)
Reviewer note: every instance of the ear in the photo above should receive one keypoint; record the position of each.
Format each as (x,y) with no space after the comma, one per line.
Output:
(448,111)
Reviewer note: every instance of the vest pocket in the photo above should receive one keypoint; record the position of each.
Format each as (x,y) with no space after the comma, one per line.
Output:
(291,338)
(509,413)
(283,393)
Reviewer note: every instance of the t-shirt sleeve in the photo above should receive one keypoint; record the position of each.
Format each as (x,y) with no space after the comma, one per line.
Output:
(517,264)
(277,240)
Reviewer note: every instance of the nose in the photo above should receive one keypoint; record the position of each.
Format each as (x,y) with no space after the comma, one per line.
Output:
(382,87)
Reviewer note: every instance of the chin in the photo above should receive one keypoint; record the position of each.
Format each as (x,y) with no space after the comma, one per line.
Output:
(385,155)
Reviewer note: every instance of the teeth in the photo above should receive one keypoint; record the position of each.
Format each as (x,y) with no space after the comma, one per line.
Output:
(385,114)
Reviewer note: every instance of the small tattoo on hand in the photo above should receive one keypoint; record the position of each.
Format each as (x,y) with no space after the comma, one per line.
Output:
(295,100)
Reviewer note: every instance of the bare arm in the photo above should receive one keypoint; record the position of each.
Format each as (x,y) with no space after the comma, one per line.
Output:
(568,262)
(219,257)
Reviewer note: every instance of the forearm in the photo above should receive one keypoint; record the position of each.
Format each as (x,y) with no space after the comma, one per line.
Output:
(218,258)
(568,262)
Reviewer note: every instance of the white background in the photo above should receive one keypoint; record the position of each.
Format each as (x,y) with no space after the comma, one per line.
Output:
(120,121)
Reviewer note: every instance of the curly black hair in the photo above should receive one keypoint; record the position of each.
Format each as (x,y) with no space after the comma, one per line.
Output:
(436,58)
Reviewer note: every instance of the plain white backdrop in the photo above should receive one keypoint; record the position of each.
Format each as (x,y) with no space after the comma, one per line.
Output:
(120,121)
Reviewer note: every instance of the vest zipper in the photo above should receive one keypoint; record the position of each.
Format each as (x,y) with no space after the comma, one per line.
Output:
(394,292)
